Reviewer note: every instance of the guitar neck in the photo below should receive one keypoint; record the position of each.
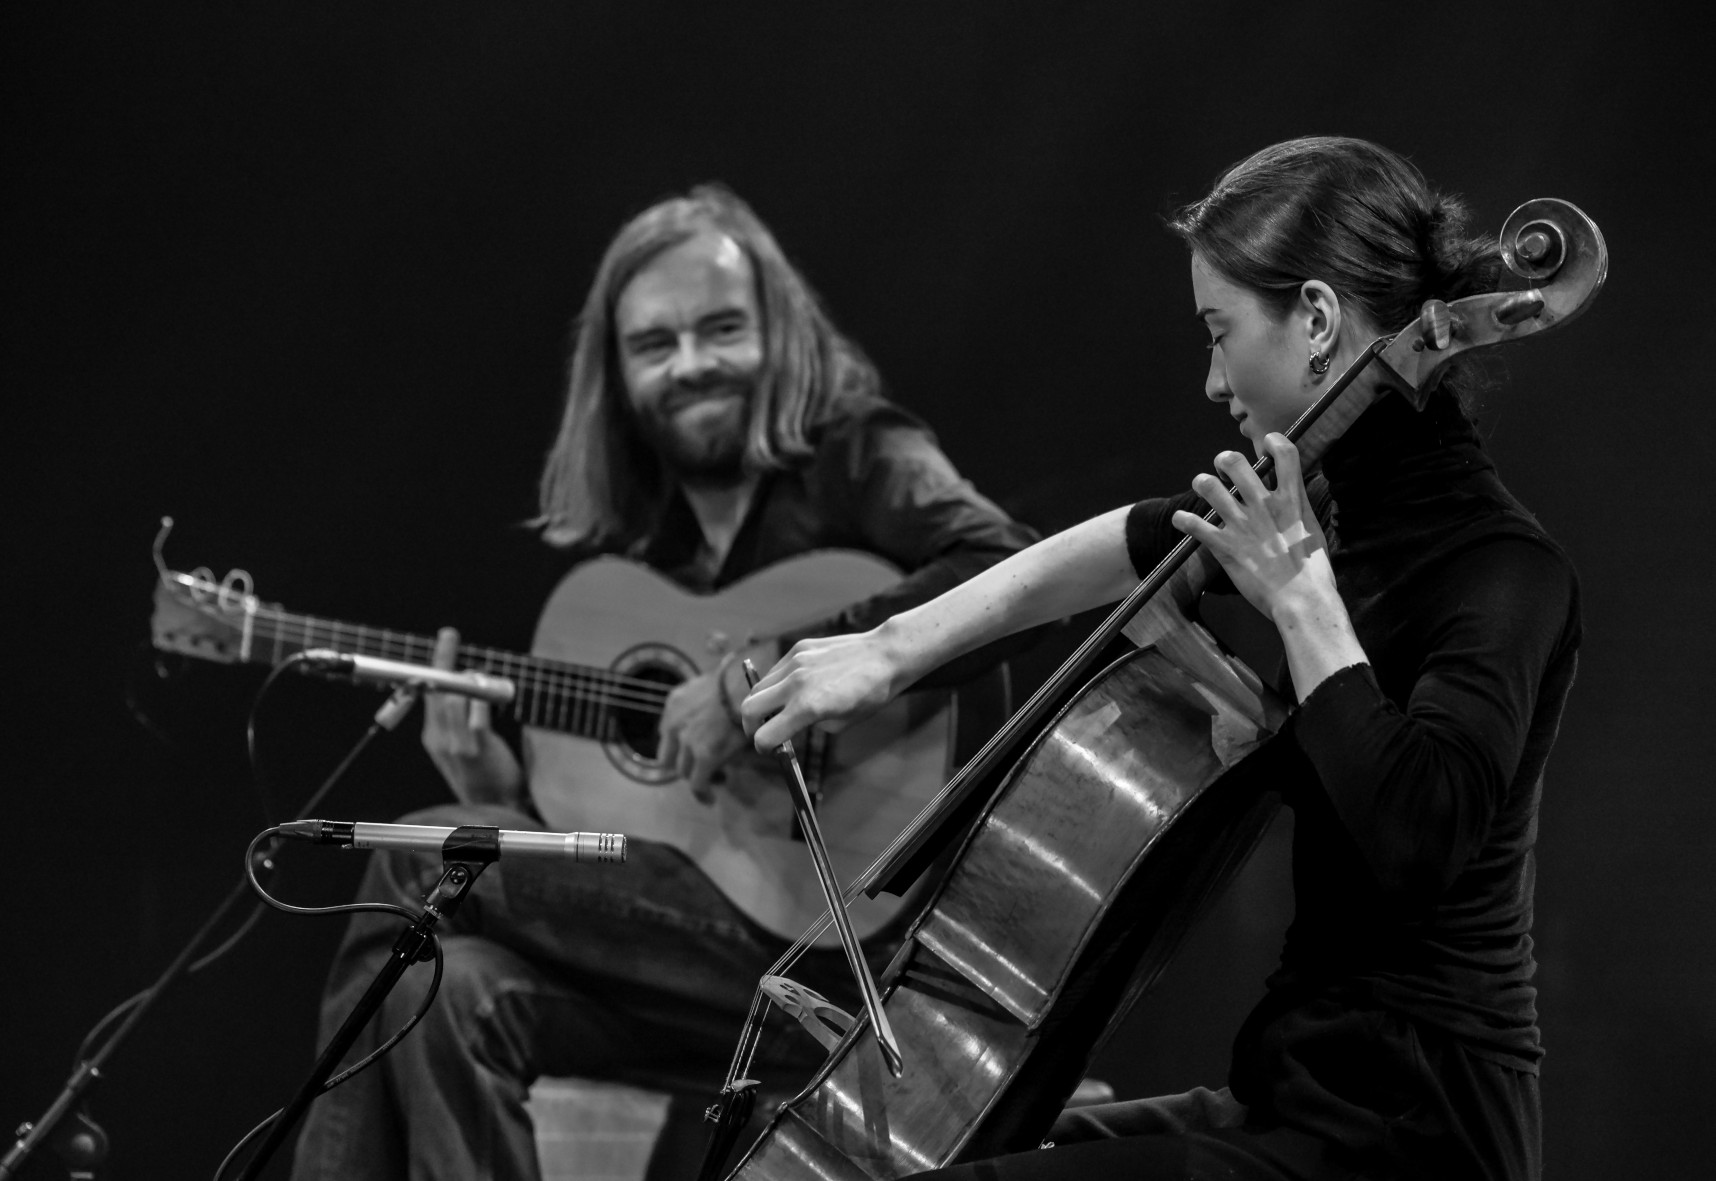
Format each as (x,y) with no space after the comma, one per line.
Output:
(552,695)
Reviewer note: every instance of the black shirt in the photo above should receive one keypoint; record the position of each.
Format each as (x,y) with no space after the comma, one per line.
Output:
(1415,779)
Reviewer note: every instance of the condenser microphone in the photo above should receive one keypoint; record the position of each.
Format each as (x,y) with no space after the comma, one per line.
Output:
(482,686)
(607,847)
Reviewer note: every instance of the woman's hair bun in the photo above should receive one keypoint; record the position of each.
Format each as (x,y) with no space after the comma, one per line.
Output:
(1461,264)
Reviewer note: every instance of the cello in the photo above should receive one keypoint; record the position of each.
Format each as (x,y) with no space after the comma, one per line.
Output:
(1132,802)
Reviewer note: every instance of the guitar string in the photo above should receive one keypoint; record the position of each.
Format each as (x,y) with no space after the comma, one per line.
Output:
(540,673)
(575,699)
(422,650)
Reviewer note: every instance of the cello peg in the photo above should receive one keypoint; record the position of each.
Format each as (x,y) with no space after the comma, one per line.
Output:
(1522,305)
(1435,326)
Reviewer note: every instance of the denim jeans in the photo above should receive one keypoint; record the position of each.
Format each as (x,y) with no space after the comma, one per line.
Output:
(641,973)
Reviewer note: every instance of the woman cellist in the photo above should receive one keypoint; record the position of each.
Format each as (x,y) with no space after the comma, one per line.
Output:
(1430,636)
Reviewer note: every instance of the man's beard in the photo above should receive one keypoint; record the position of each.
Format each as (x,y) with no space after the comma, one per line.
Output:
(710,451)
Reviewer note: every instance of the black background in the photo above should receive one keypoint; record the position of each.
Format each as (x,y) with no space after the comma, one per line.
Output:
(301,276)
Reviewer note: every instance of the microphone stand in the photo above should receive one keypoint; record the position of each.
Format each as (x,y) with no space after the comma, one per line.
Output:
(84,1147)
(467,852)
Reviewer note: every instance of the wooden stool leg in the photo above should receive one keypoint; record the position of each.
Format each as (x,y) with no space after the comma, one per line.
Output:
(595,1131)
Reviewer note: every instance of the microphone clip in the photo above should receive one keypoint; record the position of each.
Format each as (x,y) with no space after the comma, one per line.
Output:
(477,843)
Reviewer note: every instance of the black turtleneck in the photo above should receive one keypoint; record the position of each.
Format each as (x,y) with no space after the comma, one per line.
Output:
(1414,780)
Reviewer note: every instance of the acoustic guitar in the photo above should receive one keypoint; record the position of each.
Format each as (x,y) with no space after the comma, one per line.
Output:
(614,638)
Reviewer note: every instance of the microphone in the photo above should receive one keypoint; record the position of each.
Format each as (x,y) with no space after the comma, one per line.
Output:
(608,847)
(482,686)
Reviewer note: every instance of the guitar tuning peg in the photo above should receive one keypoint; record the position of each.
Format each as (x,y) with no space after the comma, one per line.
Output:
(160,548)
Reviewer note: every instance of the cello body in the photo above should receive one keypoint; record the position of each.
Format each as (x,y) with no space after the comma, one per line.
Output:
(1065,904)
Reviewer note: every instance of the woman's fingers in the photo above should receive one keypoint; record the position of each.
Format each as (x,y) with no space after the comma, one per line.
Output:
(1195,526)
(1286,457)
(799,699)
(1249,488)
(774,715)
(1217,496)
(763,701)
(832,682)
(775,709)
(773,732)
(775,673)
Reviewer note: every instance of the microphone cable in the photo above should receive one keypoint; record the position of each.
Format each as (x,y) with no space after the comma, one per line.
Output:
(345,908)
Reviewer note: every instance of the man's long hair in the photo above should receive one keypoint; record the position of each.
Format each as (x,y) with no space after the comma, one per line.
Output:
(603,481)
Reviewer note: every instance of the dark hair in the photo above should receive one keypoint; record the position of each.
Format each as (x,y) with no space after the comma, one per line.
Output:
(1349,212)
(602,481)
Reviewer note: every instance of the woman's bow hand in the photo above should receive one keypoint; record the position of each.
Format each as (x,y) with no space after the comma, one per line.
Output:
(835,680)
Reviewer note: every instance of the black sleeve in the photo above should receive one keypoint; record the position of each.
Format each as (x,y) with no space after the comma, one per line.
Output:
(1417,787)
(1150,532)
(906,502)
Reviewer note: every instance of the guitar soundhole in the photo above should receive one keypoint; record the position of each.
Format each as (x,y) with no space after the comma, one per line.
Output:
(637,727)
(634,735)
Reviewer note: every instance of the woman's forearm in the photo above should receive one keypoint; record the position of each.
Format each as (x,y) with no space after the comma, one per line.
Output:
(1079,568)
(1317,636)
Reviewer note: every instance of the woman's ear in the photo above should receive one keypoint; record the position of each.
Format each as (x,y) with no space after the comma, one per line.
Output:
(1321,309)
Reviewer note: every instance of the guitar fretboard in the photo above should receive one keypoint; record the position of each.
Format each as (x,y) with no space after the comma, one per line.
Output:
(552,695)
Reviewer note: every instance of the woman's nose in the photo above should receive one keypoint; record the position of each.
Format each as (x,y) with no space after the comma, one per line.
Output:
(1215,382)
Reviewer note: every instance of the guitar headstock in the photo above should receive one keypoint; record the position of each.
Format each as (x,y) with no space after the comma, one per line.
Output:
(197,616)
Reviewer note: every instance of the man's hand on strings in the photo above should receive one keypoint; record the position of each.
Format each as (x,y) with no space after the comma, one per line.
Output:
(478,765)
(698,730)
(835,680)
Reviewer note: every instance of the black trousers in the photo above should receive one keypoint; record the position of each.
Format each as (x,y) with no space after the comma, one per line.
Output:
(1201,1135)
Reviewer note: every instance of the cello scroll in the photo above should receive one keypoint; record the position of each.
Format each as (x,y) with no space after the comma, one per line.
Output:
(1550,246)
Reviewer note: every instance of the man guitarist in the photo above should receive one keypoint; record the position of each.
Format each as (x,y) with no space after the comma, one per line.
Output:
(716,423)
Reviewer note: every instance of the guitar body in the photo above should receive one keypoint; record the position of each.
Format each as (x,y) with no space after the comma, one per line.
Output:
(614,637)
(873,778)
